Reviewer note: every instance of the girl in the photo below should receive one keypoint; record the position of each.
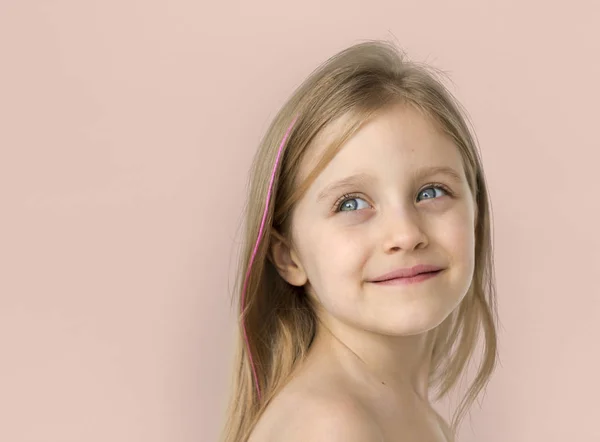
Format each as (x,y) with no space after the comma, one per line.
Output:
(367,271)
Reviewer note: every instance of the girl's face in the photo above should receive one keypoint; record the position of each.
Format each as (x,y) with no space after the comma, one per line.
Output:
(378,206)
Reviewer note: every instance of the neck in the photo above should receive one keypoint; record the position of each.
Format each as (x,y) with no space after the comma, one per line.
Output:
(400,363)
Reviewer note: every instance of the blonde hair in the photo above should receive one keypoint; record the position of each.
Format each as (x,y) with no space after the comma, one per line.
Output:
(280,321)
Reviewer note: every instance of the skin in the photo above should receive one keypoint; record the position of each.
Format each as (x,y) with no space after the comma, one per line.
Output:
(371,355)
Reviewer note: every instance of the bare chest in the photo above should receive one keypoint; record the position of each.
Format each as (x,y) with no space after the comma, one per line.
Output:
(408,424)
(412,429)
(397,424)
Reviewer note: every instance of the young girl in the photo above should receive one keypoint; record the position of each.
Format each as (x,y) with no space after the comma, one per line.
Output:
(367,271)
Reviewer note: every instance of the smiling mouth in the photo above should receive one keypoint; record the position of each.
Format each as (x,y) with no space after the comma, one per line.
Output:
(409,279)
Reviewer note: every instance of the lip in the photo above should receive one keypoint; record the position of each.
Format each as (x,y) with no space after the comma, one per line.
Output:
(410,279)
(408,273)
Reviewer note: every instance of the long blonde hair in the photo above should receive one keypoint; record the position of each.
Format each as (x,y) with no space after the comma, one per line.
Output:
(279,320)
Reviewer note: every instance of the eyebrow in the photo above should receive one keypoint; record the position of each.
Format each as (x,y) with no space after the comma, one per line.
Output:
(364,178)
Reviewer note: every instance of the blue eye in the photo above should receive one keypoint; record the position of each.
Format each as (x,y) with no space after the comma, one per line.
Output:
(348,202)
(432,193)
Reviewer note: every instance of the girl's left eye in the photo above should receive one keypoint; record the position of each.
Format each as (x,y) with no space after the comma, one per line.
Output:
(430,192)
(348,202)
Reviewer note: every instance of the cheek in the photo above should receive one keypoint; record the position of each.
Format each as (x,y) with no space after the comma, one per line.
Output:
(344,252)
(458,241)
(336,264)
(462,239)
(459,231)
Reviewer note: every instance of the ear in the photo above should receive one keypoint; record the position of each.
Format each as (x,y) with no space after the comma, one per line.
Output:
(286,261)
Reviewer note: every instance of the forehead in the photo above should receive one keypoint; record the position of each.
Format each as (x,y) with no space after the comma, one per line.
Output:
(398,140)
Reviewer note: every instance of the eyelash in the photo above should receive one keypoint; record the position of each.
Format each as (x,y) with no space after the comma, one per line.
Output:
(343,198)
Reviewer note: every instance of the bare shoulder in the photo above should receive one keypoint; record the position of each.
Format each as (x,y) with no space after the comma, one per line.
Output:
(333,419)
(319,403)
(320,418)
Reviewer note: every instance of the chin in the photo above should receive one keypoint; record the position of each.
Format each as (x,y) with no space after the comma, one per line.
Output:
(412,319)
(412,310)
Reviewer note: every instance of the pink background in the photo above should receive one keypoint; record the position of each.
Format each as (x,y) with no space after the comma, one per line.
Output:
(126,132)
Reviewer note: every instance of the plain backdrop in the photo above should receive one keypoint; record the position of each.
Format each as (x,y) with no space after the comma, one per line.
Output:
(126,133)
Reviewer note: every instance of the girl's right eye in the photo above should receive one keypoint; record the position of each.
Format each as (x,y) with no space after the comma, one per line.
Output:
(348,202)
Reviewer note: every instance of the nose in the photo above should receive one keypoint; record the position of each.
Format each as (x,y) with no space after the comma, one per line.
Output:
(403,230)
